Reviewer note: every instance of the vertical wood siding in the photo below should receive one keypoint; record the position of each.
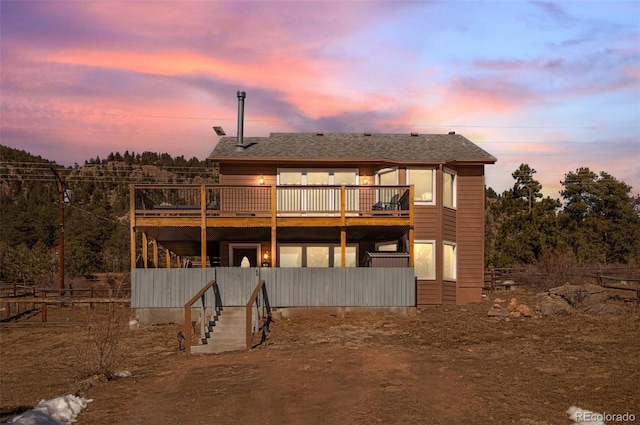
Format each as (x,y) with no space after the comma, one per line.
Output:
(286,287)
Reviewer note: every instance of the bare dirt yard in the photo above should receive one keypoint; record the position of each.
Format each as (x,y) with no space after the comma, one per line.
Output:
(446,365)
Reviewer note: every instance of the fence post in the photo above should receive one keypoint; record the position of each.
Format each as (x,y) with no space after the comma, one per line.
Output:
(44,307)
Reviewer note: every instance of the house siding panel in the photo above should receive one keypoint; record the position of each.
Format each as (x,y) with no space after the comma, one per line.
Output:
(470,225)
(232,174)
(425,222)
(427,292)
(449,224)
(449,292)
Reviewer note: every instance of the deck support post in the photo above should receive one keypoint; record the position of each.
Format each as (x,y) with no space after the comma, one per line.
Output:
(156,264)
(145,250)
(132,221)
(343,227)
(274,225)
(203,226)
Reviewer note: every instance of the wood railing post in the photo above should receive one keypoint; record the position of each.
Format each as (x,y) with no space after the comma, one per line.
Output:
(187,313)
(44,307)
(249,312)
(187,329)
(202,316)
(274,224)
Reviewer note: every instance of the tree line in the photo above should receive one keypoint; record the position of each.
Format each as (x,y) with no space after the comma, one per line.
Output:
(96,211)
(595,222)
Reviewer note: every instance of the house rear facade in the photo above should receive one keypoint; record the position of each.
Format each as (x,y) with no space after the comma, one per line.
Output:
(327,200)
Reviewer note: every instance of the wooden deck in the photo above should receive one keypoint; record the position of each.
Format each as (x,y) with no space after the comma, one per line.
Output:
(186,217)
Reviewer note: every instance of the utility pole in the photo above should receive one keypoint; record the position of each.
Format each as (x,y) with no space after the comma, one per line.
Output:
(61,193)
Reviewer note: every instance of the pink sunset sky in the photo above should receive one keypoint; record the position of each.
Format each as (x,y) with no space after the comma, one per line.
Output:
(555,85)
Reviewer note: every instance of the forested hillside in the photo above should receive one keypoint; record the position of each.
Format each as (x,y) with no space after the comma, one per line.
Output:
(95,212)
(595,222)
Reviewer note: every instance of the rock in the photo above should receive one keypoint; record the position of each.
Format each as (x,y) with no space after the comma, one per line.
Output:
(553,306)
(571,293)
(513,304)
(577,294)
(515,313)
(498,312)
(498,301)
(525,310)
(602,308)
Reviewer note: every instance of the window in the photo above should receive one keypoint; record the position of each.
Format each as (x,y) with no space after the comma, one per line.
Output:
(388,177)
(316,256)
(350,256)
(423,187)
(449,189)
(423,258)
(317,200)
(449,261)
(290,256)
(387,246)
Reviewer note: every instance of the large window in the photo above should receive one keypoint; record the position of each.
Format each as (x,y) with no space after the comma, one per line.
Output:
(449,194)
(387,177)
(315,200)
(351,258)
(423,183)
(316,256)
(290,256)
(449,261)
(424,259)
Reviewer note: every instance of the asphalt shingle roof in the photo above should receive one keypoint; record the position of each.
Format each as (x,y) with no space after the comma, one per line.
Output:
(425,148)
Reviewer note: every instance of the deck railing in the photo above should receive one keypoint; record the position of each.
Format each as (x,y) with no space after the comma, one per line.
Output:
(227,200)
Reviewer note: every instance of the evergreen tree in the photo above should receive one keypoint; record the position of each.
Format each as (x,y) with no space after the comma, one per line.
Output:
(600,218)
(521,229)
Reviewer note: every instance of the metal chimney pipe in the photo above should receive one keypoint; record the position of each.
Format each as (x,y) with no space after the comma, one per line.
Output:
(240,142)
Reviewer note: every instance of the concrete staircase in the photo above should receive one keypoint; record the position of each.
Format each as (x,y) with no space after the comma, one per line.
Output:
(225,332)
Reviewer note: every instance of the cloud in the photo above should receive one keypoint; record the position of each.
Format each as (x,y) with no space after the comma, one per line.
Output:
(553,10)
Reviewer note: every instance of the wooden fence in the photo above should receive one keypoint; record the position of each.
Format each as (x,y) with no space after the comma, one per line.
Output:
(16,300)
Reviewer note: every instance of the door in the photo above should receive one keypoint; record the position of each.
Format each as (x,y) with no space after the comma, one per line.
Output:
(245,257)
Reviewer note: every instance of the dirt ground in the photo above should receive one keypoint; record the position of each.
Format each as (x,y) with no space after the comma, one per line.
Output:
(446,365)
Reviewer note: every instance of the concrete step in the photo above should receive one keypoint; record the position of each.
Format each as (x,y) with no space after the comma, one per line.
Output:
(220,348)
(233,311)
(228,333)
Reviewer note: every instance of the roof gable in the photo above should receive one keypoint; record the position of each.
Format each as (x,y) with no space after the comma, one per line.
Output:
(401,148)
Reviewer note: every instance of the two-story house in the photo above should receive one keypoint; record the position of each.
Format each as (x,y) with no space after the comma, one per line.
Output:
(314,200)
(341,196)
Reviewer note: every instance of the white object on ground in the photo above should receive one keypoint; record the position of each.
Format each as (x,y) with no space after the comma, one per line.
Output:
(57,411)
